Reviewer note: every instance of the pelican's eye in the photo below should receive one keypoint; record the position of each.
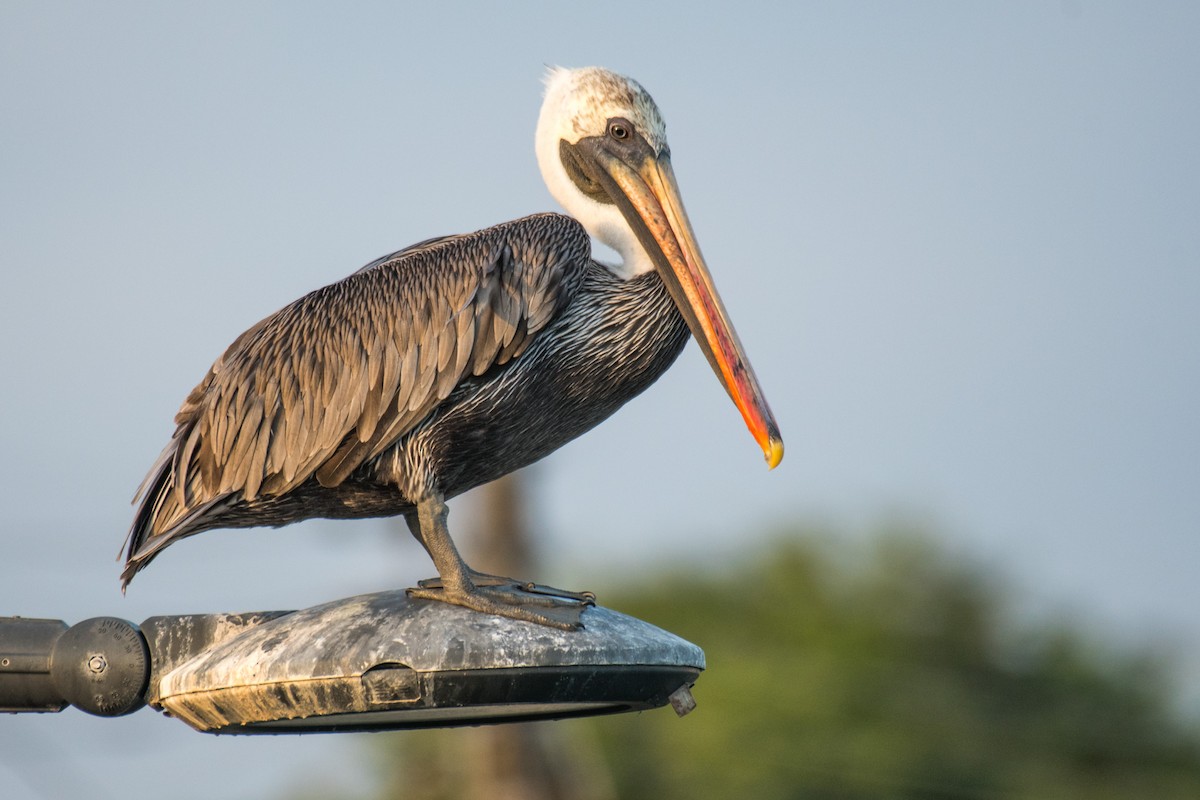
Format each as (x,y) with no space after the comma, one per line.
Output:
(619,129)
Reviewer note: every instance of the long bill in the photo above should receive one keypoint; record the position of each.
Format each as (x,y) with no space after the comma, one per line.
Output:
(648,197)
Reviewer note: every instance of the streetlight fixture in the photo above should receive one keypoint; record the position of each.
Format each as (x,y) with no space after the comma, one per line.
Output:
(373,662)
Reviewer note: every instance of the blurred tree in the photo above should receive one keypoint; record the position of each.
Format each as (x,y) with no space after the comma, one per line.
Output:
(892,671)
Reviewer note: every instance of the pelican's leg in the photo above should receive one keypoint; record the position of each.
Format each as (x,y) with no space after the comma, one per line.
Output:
(492,594)
(478,578)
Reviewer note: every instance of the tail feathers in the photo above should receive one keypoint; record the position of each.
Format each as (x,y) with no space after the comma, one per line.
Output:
(161,517)
(143,546)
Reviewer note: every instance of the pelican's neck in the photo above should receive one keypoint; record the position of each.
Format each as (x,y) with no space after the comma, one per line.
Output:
(615,233)
(603,221)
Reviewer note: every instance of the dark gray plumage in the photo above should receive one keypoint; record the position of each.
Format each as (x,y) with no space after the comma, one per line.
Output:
(432,370)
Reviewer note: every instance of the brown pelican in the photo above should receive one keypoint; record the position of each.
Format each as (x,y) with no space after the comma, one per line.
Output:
(457,360)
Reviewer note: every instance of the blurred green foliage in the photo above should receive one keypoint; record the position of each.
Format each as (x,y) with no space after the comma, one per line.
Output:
(891,672)
(879,669)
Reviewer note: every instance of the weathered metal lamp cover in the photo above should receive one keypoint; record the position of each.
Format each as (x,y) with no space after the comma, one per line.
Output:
(386,661)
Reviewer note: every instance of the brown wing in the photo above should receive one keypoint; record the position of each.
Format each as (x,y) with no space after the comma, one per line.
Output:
(333,379)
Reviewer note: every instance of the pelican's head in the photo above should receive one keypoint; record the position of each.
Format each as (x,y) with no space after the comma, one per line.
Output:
(602,147)
(594,104)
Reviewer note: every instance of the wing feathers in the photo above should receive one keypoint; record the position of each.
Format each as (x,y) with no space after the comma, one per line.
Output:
(334,379)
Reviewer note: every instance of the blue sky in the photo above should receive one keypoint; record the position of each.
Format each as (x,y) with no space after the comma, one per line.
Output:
(959,242)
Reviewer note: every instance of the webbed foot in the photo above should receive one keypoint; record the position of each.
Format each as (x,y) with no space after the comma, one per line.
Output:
(481,579)
(505,597)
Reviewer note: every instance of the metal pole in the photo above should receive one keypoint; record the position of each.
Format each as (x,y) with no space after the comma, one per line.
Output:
(101,665)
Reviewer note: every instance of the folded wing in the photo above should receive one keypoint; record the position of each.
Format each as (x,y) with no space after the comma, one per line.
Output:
(332,380)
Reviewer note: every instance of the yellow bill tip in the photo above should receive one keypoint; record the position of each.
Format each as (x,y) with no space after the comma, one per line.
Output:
(773,452)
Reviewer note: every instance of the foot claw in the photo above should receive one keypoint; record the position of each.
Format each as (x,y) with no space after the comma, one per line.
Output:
(587,598)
